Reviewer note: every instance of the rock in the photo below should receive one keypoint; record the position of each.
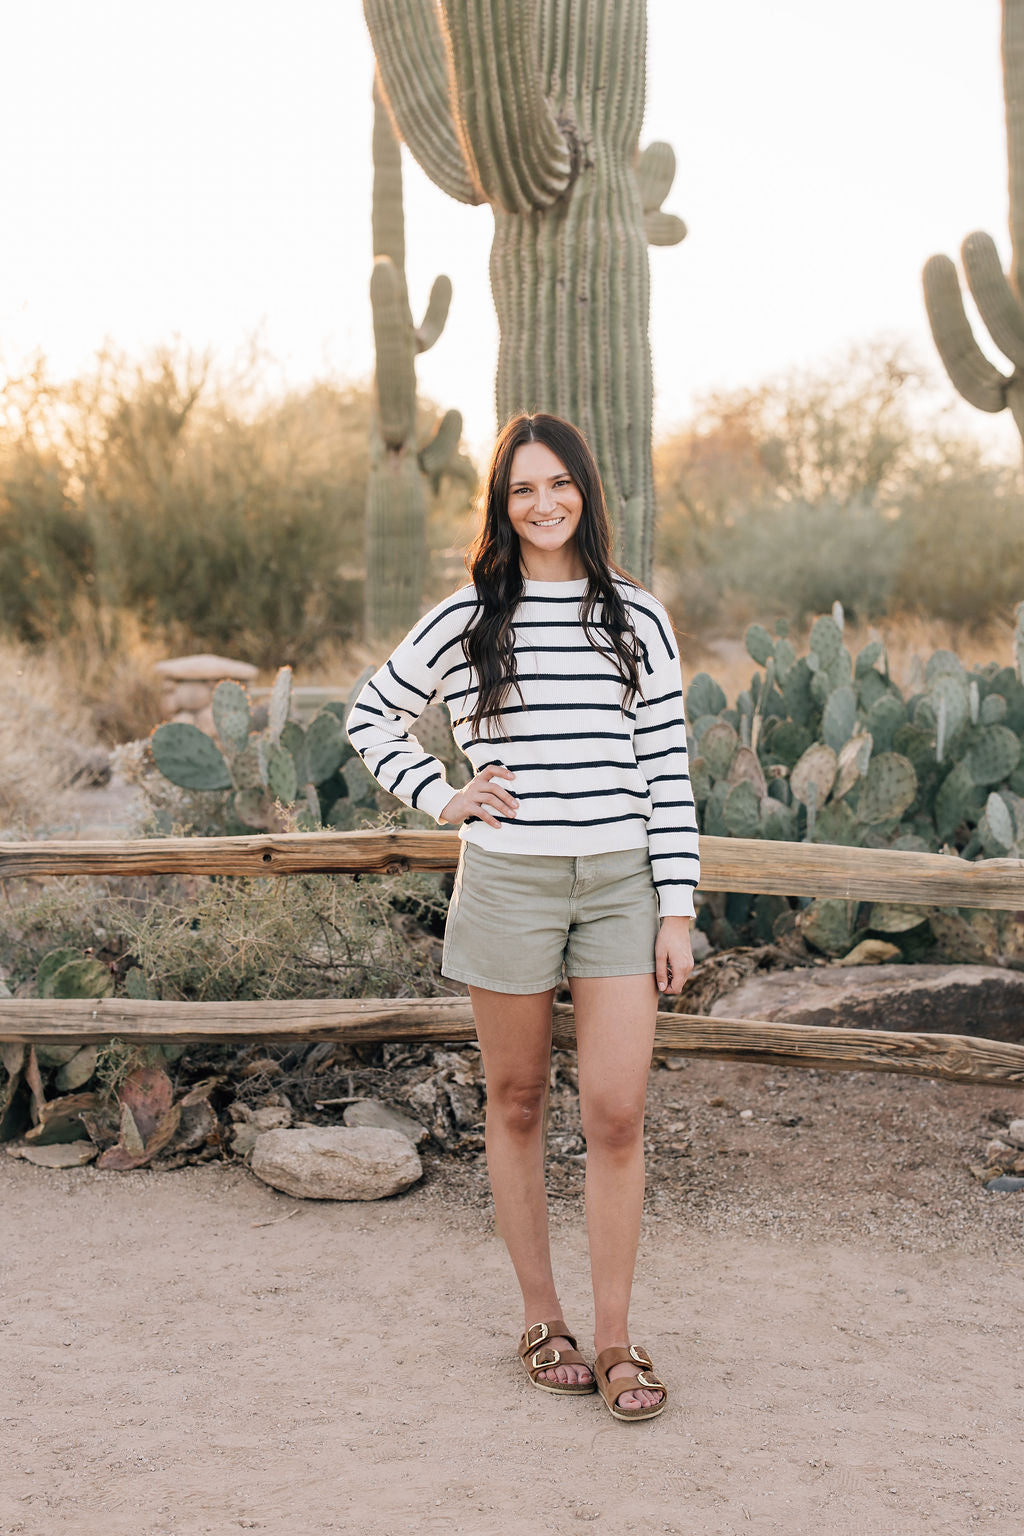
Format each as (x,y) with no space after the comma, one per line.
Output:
(192,696)
(1005,1181)
(983,1000)
(244,1137)
(272,1118)
(374,1112)
(996,1150)
(337,1162)
(206,668)
(1015,1132)
(67,1154)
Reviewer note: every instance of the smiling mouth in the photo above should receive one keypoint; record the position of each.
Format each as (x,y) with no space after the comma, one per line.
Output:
(549,522)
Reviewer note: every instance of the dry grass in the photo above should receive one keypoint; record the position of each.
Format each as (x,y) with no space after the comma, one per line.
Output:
(46,735)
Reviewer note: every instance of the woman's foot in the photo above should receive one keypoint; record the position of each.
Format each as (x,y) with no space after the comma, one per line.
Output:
(544,1353)
(568,1375)
(641,1397)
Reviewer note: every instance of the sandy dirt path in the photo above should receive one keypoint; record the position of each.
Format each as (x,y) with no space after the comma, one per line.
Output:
(192,1352)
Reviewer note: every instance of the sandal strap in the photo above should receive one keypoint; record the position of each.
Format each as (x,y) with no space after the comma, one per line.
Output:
(538,1333)
(645,1377)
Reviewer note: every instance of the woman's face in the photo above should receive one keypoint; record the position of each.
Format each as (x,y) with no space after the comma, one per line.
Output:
(544,502)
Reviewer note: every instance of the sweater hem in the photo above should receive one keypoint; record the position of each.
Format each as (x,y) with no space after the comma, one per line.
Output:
(556,842)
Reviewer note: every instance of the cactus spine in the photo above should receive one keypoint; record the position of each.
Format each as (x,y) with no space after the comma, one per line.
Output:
(997,296)
(543,100)
(395,499)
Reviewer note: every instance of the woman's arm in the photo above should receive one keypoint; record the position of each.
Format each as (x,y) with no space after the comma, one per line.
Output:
(659,740)
(389,704)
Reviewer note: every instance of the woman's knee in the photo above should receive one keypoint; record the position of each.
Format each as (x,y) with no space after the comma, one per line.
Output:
(518,1103)
(612,1123)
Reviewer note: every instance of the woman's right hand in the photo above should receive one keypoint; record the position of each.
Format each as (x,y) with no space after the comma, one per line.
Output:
(481,793)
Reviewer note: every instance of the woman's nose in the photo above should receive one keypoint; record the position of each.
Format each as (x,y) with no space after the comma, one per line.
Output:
(545,499)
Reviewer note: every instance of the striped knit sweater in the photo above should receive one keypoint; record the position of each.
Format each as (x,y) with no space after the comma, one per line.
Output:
(589,779)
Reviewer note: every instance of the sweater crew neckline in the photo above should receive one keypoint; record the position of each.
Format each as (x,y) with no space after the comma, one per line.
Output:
(532,587)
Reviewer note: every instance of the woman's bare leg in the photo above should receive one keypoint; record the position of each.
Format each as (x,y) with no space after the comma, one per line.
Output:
(515,1043)
(615,1019)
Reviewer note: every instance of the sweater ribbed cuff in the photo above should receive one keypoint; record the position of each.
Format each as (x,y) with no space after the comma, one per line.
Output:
(434,798)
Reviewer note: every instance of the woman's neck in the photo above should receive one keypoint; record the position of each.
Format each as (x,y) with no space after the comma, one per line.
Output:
(569,568)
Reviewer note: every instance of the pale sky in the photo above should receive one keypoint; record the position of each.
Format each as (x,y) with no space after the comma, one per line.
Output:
(201,171)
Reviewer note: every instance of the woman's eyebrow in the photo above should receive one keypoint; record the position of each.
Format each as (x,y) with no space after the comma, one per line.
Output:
(563,474)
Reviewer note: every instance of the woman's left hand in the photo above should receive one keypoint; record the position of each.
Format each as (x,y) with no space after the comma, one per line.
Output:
(673,957)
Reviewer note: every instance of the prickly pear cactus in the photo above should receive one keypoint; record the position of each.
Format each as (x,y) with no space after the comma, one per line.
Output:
(834,753)
(281,765)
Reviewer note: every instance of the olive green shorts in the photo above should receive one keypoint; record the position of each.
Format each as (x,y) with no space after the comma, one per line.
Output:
(515,919)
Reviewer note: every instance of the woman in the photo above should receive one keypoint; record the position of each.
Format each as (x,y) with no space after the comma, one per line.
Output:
(579,845)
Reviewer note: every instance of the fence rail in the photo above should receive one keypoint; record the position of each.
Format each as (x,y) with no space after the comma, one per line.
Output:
(727,864)
(957,1058)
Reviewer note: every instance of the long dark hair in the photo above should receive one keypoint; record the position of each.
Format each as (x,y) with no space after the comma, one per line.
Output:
(493,563)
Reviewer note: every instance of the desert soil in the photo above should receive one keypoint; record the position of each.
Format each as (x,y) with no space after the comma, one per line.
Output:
(836,1304)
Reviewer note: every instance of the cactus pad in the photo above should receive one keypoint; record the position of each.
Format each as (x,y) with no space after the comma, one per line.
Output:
(787,742)
(891,917)
(836,823)
(759,643)
(889,787)
(700,779)
(282,779)
(992,709)
(742,810)
(839,717)
(866,659)
(826,640)
(280,704)
(325,746)
(293,739)
(993,754)
(814,775)
(996,827)
(952,801)
(854,757)
(828,925)
(885,716)
(718,747)
(232,717)
(188,757)
(704,696)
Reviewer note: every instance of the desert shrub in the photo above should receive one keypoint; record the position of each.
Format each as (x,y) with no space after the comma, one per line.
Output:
(213,939)
(47,738)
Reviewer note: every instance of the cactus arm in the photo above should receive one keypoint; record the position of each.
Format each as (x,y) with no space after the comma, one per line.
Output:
(387,220)
(393,337)
(519,155)
(978,380)
(437,313)
(655,173)
(438,453)
(410,55)
(1013,92)
(996,301)
(663,228)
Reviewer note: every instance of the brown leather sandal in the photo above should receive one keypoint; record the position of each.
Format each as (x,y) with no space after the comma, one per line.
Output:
(611,1391)
(537,1357)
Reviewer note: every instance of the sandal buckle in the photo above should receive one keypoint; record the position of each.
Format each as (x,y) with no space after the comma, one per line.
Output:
(642,1379)
(641,1357)
(540,1365)
(544,1331)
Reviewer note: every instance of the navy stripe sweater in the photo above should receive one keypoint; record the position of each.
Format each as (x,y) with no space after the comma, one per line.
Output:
(589,777)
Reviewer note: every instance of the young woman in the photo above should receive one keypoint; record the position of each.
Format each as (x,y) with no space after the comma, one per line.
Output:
(579,846)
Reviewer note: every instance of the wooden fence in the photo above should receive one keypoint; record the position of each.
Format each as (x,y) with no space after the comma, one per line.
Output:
(727,864)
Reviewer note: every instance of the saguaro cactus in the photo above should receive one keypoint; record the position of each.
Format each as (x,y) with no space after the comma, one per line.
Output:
(395,501)
(997,296)
(535,107)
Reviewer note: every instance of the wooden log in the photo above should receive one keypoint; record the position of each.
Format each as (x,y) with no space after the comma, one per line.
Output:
(727,864)
(957,1058)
